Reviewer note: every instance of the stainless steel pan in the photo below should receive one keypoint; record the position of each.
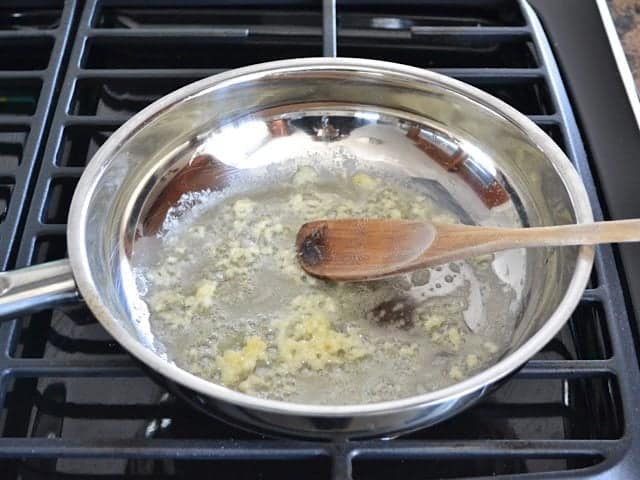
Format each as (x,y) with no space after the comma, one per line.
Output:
(493,164)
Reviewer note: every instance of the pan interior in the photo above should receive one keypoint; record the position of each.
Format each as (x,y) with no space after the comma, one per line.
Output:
(214,283)
(471,159)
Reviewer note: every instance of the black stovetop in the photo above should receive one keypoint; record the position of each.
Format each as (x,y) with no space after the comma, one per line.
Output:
(74,405)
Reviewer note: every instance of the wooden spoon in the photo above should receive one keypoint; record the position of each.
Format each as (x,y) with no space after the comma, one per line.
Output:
(366,249)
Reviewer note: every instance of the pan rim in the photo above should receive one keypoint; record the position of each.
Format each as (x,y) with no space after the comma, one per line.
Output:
(78,254)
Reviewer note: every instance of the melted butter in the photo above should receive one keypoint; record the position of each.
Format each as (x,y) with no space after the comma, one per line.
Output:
(231,304)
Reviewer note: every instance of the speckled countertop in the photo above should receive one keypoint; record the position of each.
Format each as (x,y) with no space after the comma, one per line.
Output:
(626,17)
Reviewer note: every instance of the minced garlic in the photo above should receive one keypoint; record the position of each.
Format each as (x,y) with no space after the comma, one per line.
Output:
(433,322)
(235,366)
(482,261)
(203,298)
(364,181)
(454,338)
(456,373)
(490,347)
(472,360)
(164,299)
(306,337)
(313,343)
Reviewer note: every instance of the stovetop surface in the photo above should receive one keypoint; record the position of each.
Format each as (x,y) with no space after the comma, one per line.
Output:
(74,405)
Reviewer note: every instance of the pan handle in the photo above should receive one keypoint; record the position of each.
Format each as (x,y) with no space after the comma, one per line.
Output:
(32,289)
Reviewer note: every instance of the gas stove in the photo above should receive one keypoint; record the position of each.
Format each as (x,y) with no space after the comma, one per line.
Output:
(74,405)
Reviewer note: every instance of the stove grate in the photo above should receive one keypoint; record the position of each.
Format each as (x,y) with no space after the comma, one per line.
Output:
(75,406)
(34,37)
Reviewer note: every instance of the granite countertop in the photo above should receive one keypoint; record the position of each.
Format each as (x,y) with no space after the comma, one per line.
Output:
(626,17)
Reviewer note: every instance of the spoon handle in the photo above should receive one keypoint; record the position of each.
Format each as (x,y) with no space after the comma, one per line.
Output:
(453,242)
(578,234)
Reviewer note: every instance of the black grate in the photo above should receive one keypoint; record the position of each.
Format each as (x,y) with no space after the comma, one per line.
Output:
(33,37)
(73,403)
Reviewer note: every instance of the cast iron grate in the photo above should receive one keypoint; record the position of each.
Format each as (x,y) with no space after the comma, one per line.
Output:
(33,37)
(75,406)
